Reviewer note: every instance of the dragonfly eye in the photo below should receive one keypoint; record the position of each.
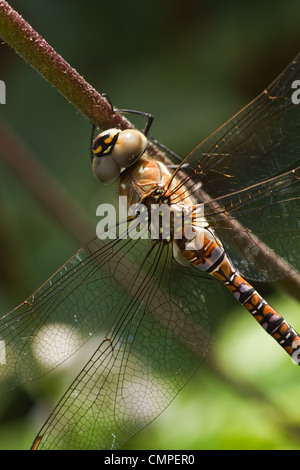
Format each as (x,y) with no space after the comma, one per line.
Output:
(115,150)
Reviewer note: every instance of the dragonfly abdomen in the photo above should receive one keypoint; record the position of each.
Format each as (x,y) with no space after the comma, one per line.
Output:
(269,319)
(211,258)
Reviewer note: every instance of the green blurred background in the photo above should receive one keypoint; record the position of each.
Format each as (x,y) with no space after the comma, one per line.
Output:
(192,64)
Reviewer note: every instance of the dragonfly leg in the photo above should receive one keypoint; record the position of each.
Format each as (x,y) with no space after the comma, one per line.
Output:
(92,140)
(146,129)
(149,116)
(165,149)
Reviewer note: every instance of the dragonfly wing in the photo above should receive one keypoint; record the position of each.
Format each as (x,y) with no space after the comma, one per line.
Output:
(55,321)
(259,142)
(165,327)
(259,227)
(258,145)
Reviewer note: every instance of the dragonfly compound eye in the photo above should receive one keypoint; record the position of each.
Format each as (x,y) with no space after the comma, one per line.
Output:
(115,150)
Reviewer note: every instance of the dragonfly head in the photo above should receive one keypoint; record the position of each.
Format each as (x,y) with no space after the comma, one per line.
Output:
(114,150)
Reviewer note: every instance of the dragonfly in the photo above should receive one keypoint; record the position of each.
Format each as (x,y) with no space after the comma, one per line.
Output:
(159,296)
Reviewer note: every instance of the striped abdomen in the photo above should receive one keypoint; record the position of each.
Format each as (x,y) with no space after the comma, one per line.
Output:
(212,258)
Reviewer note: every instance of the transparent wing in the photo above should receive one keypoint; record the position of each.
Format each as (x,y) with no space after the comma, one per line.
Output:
(257,150)
(259,142)
(61,315)
(163,329)
(163,320)
(259,227)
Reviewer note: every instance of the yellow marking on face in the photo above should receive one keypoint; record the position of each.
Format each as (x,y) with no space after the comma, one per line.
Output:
(108,140)
(98,149)
(107,150)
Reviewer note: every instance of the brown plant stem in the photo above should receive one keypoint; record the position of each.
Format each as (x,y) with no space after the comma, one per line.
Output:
(45,60)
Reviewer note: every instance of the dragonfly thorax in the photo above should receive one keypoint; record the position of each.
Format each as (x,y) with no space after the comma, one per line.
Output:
(145,182)
(151,188)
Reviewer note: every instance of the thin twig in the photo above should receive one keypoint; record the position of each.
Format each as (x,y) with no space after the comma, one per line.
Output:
(45,60)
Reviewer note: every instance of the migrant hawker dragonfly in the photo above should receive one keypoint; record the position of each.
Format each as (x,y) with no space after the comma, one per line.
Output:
(161,298)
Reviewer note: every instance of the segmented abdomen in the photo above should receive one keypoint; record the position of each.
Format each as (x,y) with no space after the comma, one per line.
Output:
(213,259)
(271,321)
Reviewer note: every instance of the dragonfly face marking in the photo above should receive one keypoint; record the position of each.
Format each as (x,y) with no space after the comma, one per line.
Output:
(113,150)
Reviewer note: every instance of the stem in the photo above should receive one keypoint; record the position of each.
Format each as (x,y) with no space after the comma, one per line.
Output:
(42,57)
(45,60)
